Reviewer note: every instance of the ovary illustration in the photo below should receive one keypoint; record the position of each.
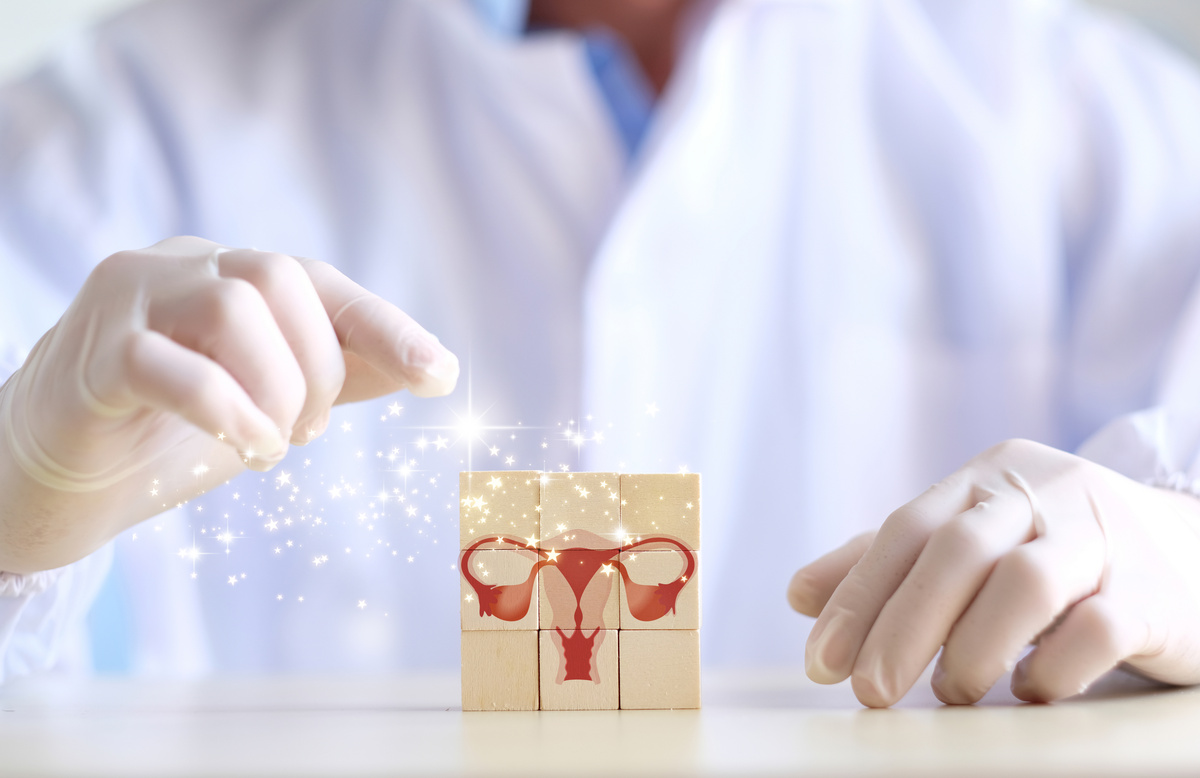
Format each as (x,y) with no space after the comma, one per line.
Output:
(579,584)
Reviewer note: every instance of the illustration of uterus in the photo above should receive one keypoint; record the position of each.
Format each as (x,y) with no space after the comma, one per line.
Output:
(576,568)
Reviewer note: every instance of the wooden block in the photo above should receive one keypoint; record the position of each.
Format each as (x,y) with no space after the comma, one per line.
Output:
(498,503)
(579,670)
(500,670)
(499,589)
(659,669)
(659,580)
(580,578)
(581,510)
(662,505)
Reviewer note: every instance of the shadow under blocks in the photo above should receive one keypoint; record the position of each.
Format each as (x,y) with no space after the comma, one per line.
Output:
(580,591)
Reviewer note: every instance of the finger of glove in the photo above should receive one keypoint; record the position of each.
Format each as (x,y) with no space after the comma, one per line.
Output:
(813,585)
(297,309)
(1026,592)
(165,375)
(364,382)
(918,617)
(385,337)
(847,617)
(1092,638)
(227,320)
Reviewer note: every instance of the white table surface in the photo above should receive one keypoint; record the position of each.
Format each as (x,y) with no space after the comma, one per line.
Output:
(751,724)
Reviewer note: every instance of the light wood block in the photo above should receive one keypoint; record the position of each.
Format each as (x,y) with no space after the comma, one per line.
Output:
(499,503)
(538,548)
(584,675)
(655,577)
(500,670)
(581,510)
(595,573)
(662,504)
(513,602)
(660,669)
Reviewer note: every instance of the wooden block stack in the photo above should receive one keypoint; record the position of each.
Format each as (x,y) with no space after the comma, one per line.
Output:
(498,522)
(580,591)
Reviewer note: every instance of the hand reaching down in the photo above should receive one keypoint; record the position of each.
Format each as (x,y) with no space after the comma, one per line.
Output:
(1025,544)
(180,353)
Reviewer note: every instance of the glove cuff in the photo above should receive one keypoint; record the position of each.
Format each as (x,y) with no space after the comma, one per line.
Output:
(15,585)
(1159,447)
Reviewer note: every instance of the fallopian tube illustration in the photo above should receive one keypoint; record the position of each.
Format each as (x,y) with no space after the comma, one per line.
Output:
(580,566)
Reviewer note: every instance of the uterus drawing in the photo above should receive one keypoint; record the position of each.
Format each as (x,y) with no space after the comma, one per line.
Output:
(576,569)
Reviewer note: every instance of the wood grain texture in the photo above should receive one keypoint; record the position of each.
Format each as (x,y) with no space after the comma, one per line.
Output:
(660,669)
(662,504)
(525,651)
(498,503)
(662,567)
(504,568)
(581,501)
(599,691)
(500,670)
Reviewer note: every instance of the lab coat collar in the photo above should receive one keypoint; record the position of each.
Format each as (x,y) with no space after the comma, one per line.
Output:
(503,17)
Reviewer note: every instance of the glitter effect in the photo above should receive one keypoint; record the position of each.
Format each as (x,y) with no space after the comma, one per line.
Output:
(388,498)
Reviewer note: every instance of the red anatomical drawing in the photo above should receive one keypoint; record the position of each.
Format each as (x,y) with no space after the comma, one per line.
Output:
(576,572)
(580,591)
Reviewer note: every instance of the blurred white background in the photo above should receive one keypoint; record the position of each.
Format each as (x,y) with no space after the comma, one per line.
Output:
(28,28)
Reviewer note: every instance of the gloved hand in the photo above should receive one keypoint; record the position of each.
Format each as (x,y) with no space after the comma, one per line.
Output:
(176,367)
(1025,544)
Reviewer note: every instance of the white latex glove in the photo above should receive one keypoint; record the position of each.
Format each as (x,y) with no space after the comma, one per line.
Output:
(176,367)
(1026,544)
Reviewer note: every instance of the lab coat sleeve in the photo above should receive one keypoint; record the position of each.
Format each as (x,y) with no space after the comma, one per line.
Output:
(43,615)
(83,173)
(1132,236)
(1160,445)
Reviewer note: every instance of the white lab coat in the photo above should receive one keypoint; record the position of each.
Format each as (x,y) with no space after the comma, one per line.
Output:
(864,240)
